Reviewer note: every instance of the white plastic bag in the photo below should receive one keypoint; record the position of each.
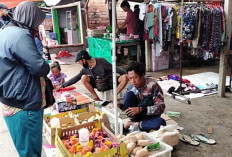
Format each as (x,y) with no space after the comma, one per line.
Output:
(167,134)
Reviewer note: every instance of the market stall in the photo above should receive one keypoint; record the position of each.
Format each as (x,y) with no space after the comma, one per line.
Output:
(77,126)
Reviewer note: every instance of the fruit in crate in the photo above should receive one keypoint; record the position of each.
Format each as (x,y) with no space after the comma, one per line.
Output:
(98,142)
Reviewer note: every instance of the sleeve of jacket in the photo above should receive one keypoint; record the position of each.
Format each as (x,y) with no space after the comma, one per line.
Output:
(27,53)
(72,80)
(39,45)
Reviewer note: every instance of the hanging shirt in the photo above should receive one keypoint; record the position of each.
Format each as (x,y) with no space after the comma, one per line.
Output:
(151,25)
(142,8)
(155,23)
(130,21)
(160,31)
(196,40)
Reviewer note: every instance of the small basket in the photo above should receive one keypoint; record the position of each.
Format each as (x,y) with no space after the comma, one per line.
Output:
(164,151)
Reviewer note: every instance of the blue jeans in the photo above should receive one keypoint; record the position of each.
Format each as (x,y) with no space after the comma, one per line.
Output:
(147,123)
(25,128)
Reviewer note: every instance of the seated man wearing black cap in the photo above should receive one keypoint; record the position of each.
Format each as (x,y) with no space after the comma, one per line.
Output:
(93,69)
(3,14)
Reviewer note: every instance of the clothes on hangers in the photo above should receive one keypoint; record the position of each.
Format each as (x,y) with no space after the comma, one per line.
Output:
(142,12)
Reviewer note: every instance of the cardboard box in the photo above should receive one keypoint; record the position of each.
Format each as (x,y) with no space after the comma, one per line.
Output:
(78,101)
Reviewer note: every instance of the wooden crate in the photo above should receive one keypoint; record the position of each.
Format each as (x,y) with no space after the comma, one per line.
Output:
(63,152)
(85,113)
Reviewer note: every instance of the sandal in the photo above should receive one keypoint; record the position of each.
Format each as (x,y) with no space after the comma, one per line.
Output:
(188,139)
(204,139)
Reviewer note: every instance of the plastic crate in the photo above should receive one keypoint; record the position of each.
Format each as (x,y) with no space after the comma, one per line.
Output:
(111,118)
(63,152)
(164,151)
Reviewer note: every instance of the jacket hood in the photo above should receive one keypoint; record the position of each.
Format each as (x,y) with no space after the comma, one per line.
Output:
(29,14)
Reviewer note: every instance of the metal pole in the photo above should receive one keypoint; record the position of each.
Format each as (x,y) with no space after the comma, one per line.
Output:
(181,44)
(114,66)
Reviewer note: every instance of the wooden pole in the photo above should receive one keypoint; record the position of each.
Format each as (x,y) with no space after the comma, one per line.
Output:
(148,55)
(225,50)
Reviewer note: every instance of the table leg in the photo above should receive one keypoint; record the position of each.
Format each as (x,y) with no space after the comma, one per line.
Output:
(138,53)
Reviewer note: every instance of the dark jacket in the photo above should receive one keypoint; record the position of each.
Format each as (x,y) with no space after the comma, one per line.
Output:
(21,68)
(39,45)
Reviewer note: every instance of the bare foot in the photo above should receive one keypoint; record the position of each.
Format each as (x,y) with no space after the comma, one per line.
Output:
(127,125)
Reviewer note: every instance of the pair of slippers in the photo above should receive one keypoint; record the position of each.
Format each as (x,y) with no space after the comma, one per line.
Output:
(195,139)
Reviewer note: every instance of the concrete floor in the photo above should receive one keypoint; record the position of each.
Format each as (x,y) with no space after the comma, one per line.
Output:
(194,118)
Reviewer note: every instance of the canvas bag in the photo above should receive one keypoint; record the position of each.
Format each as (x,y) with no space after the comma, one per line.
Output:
(102,83)
(50,100)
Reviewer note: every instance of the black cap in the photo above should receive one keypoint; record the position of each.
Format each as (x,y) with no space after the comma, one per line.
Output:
(82,54)
(2,6)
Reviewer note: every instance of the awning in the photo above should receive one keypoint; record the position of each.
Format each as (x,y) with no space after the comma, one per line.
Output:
(13,3)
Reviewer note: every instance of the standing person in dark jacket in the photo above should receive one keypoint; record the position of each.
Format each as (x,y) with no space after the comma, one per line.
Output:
(22,85)
(93,68)
(3,14)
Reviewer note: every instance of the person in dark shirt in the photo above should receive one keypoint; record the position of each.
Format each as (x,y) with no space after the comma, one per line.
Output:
(92,69)
(140,29)
(47,55)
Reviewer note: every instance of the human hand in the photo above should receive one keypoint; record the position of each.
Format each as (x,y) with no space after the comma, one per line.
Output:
(131,111)
(54,85)
(58,87)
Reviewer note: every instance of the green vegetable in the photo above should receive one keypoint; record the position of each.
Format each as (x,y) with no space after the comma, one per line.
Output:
(153,147)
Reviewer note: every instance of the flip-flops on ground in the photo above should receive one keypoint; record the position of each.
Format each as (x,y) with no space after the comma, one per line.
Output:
(186,138)
(204,139)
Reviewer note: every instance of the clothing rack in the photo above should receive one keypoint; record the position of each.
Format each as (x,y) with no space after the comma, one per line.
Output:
(181,41)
